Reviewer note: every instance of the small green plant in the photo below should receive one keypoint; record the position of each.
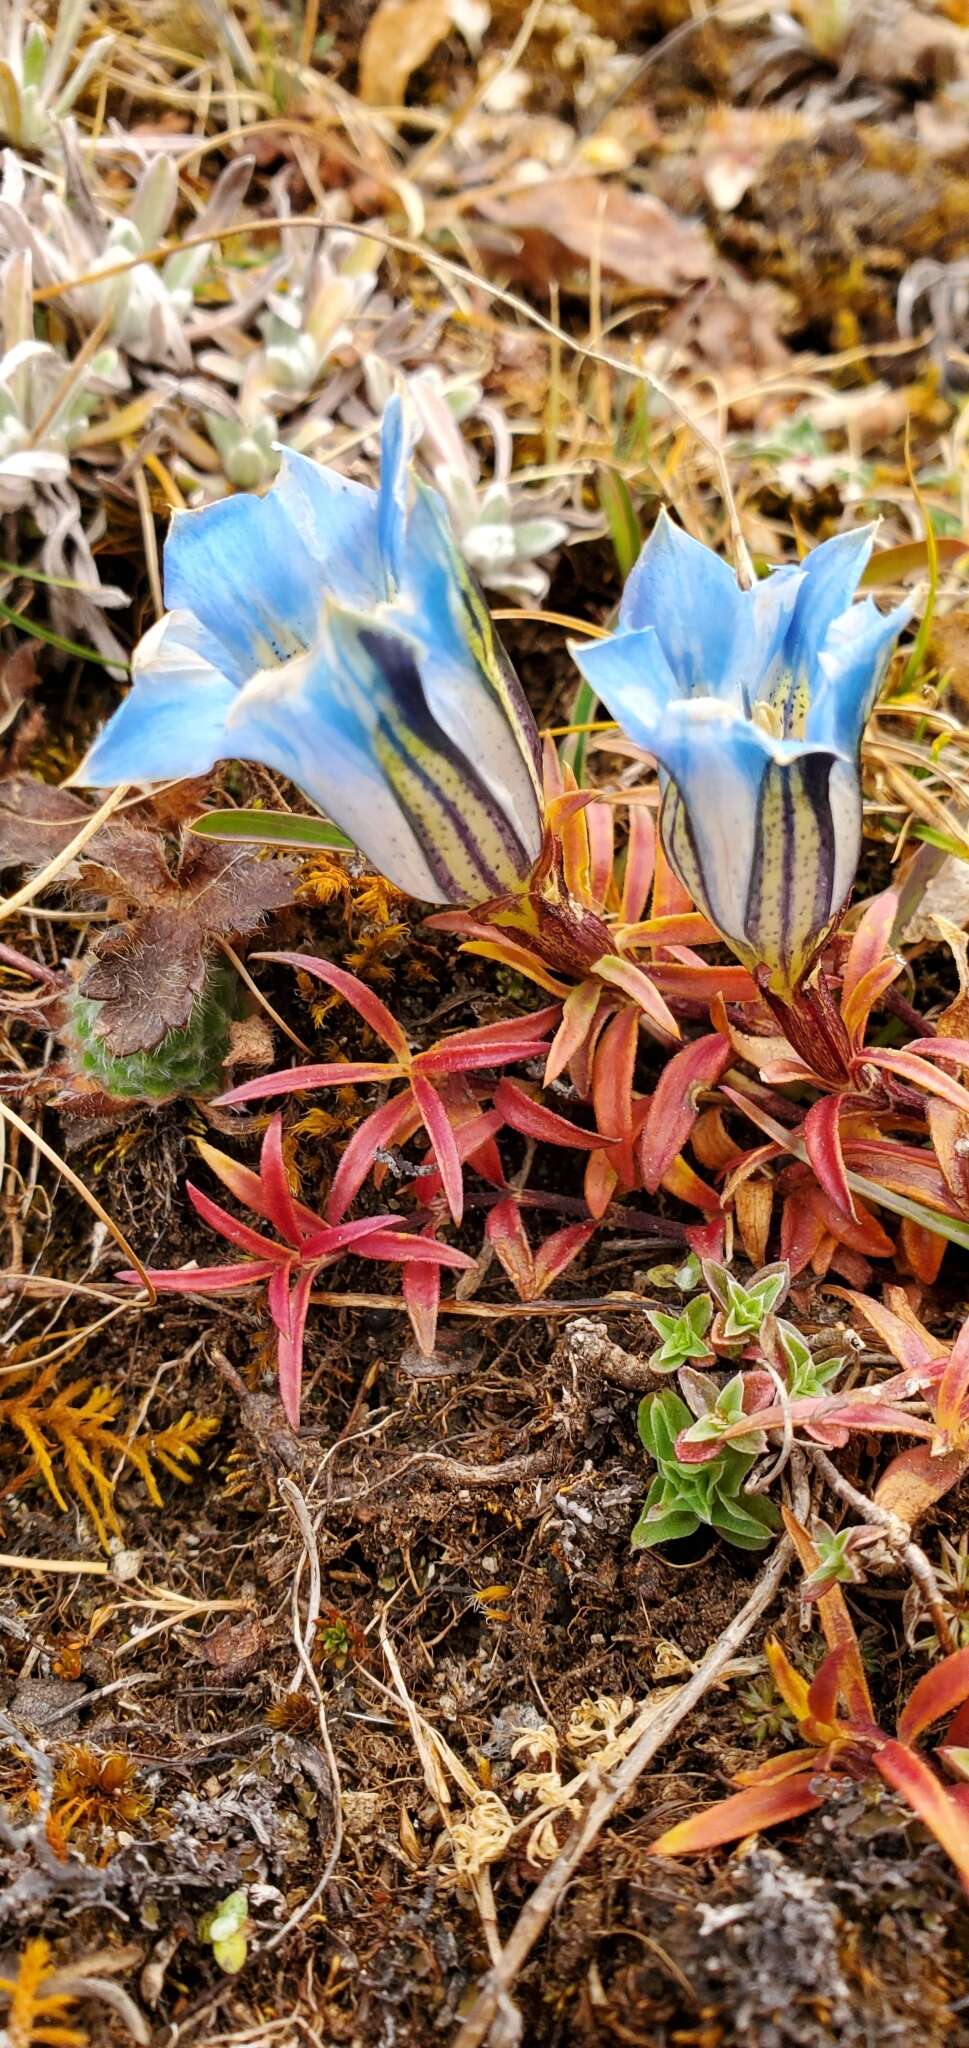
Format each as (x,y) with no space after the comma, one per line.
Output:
(806,1376)
(188,1061)
(719,1409)
(226,1931)
(683,1336)
(684,1498)
(837,1565)
(744,1310)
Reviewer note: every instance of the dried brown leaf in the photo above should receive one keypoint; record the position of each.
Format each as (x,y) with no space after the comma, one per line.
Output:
(629,234)
(399,38)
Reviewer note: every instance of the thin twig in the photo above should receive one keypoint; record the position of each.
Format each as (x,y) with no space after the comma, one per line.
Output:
(495,1991)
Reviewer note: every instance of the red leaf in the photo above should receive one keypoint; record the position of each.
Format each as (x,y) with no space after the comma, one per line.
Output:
(954,1049)
(280,1207)
(437,1124)
(407,1251)
(673,1110)
(909,1774)
(354,991)
(557,1252)
(240,1234)
(376,1133)
(822,1141)
(422,1293)
(522,1113)
(291,1333)
(744,1813)
(205,1279)
(439,1062)
(293,1080)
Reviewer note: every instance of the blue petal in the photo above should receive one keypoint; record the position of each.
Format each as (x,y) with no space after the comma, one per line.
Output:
(244,571)
(718,640)
(831,573)
(631,675)
(172,722)
(693,601)
(850,668)
(398,435)
(336,520)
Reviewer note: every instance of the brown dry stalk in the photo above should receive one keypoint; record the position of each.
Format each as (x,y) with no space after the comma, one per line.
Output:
(494,1998)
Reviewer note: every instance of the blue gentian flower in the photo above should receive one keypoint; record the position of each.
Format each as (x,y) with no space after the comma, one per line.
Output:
(333,633)
(753,702)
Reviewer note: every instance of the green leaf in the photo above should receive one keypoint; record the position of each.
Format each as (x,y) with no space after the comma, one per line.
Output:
(271,828)
(620,515)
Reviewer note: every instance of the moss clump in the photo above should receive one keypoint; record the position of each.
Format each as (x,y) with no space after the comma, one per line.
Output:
(188,1061)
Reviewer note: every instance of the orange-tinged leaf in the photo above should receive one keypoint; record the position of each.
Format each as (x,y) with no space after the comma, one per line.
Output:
(793,1688)
(949,1132)
(681,1181)
(839,1631)
(612,1080)
(924,1249)
(670,898)
(632,982)
(640,864)
(909,558)
(903,1335)
(938,1693)
(943,1814)
(954,1390)
(916,1479)
(753,1204)
(869,945)
(601,829)
(578,1011)
(744,1813)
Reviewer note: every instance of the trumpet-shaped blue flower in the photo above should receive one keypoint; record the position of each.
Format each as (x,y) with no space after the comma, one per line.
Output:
(753,702)
(334,634)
